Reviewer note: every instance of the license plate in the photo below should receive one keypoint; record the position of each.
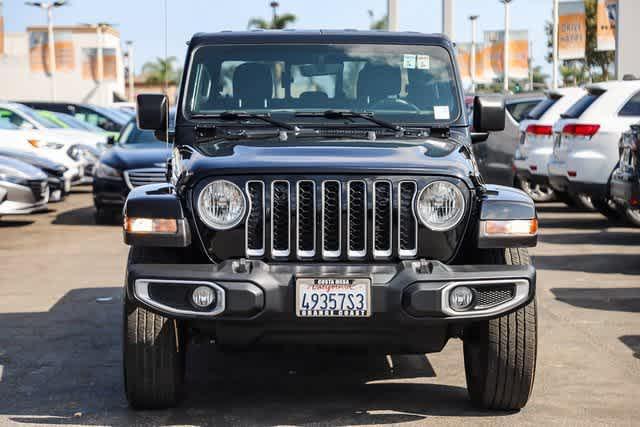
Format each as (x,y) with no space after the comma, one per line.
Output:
(333,297)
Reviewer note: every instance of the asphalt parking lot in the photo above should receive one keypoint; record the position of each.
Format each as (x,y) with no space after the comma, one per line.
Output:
(60,320)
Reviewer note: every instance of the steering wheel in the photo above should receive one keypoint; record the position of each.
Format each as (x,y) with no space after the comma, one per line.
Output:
(394,104)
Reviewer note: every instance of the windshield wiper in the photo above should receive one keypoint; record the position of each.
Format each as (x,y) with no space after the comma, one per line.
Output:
(240,115)
(347,114)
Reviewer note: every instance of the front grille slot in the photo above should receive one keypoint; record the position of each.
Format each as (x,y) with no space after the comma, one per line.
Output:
(280,219)
(356,219)
(306,219)
(407,221)
(331,219)
(255,219)
(382,219)
(137,177)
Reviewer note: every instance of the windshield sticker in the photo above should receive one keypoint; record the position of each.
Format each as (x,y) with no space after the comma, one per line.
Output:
(423,62)
(441,112)
(409,61)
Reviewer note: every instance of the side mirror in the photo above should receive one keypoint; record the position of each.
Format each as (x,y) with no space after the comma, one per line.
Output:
(488,113)
(153,112)
(479,137)
(111,140)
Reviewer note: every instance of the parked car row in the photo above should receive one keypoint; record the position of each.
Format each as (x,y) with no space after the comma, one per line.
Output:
(576,145)
(44,152)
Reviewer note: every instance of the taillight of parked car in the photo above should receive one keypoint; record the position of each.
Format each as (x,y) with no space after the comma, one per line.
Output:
(540,130)
(579,129)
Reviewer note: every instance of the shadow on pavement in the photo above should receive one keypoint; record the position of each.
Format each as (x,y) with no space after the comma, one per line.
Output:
(590,222)
(559,208)
(590,263)
(633,342)
(63,366)
(83,216)
(597,238)
(4,222)
(611,299)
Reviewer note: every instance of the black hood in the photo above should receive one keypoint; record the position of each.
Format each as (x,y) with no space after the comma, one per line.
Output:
(427,157)
(48,166)
(136,156)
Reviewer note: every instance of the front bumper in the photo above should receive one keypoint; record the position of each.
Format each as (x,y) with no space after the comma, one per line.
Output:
(21,199)
(258,306)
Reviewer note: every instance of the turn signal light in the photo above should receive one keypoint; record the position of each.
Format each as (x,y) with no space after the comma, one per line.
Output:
(34,142)
(516,227)
(540,130)
(580,129)
(150,225)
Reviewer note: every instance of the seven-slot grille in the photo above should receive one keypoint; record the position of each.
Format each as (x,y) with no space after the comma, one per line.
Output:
(305,218)
(137,177)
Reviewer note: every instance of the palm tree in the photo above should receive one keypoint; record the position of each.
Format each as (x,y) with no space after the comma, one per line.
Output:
(378,24)
(278,22)
(160,71)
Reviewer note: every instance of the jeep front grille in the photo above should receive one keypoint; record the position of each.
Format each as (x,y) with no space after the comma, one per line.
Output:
(331,219)
(137,177)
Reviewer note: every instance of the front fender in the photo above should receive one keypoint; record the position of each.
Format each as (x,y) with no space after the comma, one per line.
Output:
(157,201)
(500,203)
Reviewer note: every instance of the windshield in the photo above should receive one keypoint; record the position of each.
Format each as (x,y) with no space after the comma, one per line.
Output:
(402,84)
(74,123)
(7,125)
(119,118)
(35,117)
(132,134)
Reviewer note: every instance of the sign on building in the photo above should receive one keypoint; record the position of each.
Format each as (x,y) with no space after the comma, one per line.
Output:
(39,51)
(572,30)
(606,22)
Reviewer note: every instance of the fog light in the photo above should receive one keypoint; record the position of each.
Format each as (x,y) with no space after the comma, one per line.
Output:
(203,296)
(460,298)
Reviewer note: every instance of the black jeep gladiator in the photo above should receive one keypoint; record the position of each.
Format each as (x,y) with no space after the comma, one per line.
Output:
(322,192)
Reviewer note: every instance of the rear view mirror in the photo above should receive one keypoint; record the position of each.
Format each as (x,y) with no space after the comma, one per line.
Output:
(153,112)
(111,140)
(488,113)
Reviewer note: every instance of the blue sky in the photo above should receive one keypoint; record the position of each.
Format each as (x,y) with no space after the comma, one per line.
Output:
(143,20)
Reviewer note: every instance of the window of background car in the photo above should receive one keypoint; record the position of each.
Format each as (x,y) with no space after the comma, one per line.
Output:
(541,108)
(632,107)
(581,106)
(405,83)
(131,134)
(520,109)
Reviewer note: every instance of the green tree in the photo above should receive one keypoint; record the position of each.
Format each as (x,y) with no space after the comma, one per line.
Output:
(278,22)
(581,70)
(161,70)
(378,24)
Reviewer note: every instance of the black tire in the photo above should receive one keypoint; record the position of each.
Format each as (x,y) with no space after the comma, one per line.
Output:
(633,216)
(538,193)
(608,208)
(107,216)
(153,351)
(500,354)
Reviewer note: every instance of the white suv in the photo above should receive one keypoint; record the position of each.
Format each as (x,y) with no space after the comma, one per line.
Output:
(586,138)
(536,142)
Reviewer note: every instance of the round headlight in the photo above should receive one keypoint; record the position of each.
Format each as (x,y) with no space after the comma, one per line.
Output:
(440,206)
(221,205)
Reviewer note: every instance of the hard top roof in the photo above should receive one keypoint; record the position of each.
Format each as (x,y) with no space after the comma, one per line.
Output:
(321,36)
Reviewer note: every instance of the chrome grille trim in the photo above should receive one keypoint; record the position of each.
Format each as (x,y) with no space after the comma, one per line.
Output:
(382,253)
(281,252)
(299,252)
(408,252)
(329,253)
(356,253)
(261,251)
(138,177)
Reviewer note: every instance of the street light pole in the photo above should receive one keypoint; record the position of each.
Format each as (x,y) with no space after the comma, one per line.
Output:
(49,6)
(472,66)
(392,15)
(274,6)
(131,66)
(554,72)
(505,67)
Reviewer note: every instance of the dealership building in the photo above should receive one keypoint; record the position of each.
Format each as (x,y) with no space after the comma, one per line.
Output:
(88,64)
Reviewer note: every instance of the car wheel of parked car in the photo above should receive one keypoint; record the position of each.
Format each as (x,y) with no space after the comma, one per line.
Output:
(633,215)
(154,349)
(538,193)
(500,354)
(608,208)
